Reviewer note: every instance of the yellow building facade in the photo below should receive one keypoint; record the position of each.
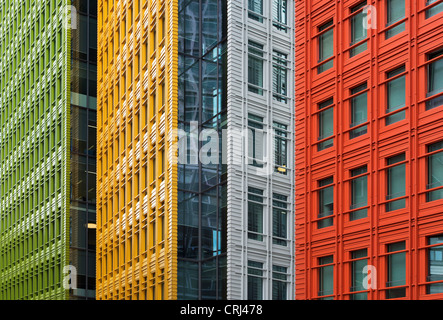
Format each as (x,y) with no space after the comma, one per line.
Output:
(136,178)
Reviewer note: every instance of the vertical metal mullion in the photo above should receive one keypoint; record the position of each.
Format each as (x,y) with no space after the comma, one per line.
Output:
(200,62)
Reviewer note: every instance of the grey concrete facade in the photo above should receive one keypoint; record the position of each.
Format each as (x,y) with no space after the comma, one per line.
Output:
(241,176)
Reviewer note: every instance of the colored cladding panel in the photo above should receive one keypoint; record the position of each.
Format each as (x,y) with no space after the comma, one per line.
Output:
(34,149)
(372,195)
(136,177)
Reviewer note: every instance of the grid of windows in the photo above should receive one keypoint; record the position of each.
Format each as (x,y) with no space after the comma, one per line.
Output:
(34,118)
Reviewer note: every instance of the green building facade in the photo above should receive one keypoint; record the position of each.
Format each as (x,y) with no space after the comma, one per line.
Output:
(40,170)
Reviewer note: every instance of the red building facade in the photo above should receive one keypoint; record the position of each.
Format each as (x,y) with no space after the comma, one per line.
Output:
(369,149)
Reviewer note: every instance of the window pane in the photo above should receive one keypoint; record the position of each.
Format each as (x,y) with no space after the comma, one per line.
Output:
(395,11)
(435,265)
(358,277)
(396,94)
(359,109)
(435,172)
(325,48)
(435,77)
(326,206)
(326,281)
(279,220)
(358,32)
(255,67)
(255,214)
(279,14)
(255,282)
(257,7)
(326,124)
(434,10)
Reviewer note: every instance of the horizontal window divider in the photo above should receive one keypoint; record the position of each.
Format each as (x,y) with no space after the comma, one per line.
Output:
(393,165)
(393,24)
(393,287)
(430,246)
(436,95)
(384,254)
(355,292)
(393,200)
(324,139)
(356,44)
(319,63)
(323,218)
(430,282)
(430,190)
(406,107)
(429,6)
(257,14)
(356,127)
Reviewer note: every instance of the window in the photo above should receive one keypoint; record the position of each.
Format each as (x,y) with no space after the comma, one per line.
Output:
(325,124)
(326,277)
(359,193)
(255,280)
(395,11)
(279,219)
(396,183)
(359,107)
(325,46)
(280,148)
(279,14)
(255,214)
(255,10)
(279,77)
(435,79)
(255,67)
(435,264)
(279,284)
(396,270)
(435,172)
(255,140)
(434,10)
(358,32)
(395,94)
(359,262)
(325,202)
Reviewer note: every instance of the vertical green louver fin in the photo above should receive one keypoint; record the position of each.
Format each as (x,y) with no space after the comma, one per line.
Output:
(34,148)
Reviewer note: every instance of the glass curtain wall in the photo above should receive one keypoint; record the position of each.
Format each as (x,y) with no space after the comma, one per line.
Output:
(202,186)
(83,148)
